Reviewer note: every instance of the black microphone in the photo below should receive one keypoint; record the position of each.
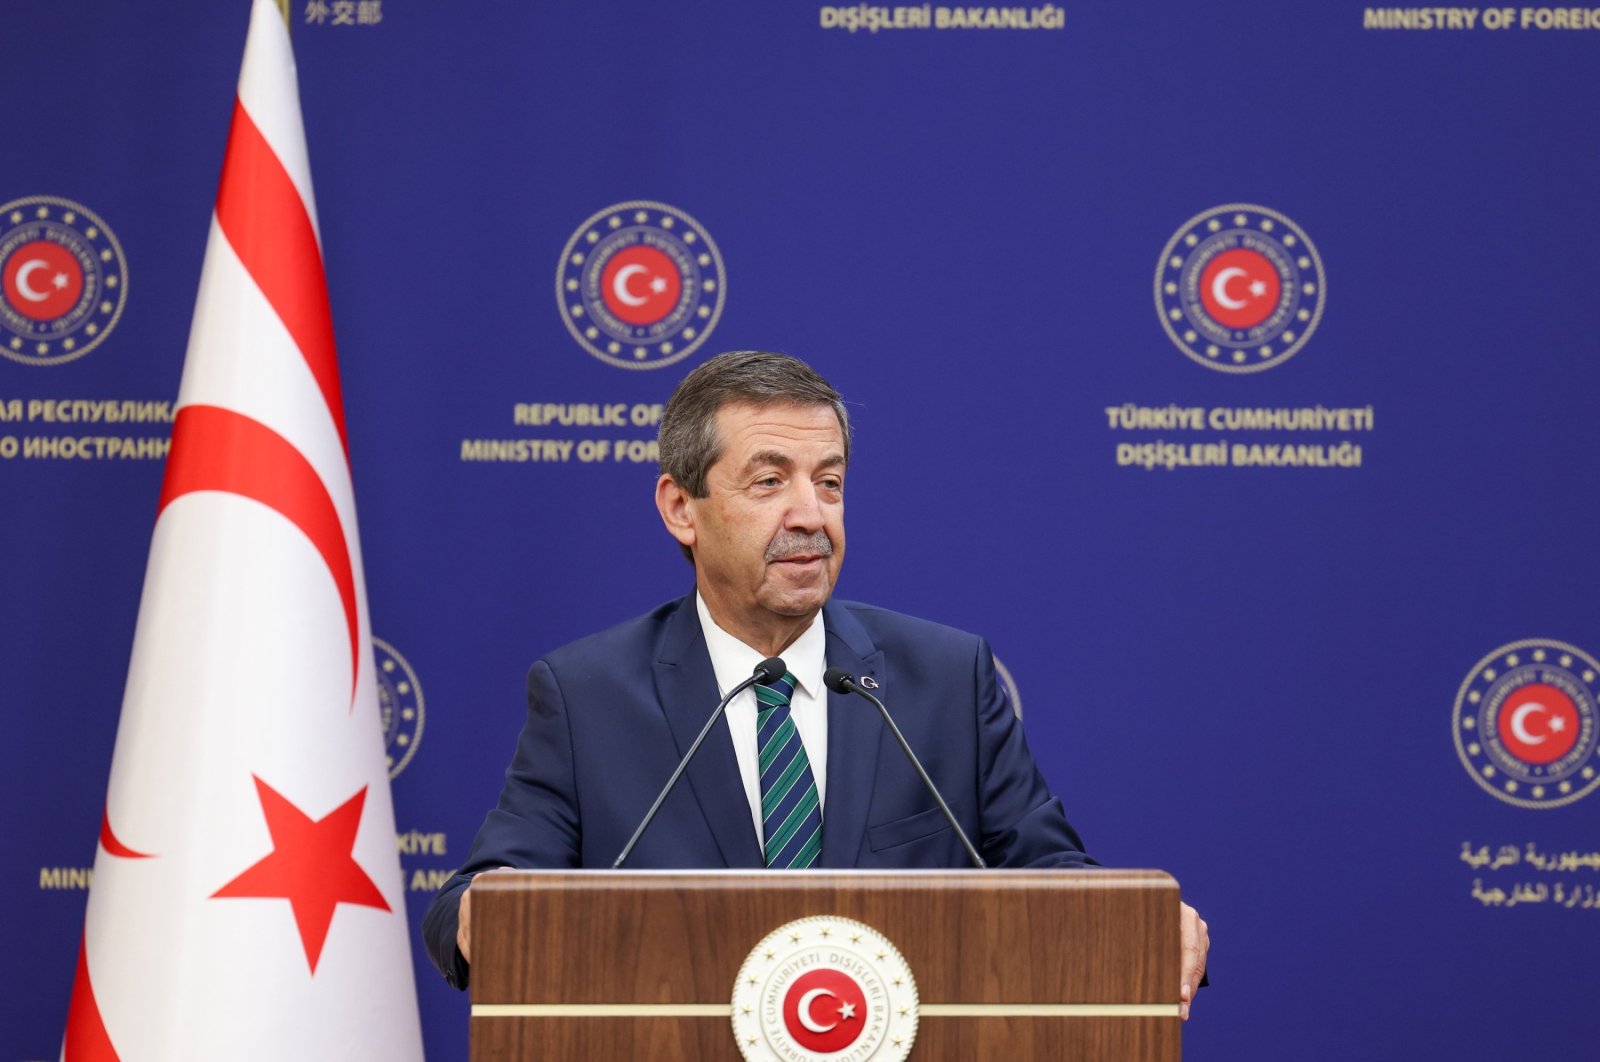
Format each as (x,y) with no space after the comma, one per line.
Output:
(839,680)
(767,672)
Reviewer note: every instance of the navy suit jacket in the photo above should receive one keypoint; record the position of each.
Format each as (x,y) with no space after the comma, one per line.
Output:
(610,716)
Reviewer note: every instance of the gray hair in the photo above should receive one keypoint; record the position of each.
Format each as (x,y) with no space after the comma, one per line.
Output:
(688,438)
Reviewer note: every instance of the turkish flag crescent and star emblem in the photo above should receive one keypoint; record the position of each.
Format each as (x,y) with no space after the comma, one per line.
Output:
(247,899)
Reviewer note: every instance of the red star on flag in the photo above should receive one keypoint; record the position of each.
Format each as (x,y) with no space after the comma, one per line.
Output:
(310,865)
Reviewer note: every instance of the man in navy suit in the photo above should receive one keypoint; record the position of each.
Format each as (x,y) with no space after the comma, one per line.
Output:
(754,451)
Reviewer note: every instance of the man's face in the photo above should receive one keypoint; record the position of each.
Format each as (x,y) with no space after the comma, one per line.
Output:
(769,535)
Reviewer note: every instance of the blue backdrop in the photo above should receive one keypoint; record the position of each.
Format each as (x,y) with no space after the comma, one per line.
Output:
(1253,644)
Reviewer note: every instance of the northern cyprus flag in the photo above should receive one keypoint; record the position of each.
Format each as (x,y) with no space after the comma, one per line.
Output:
(247,899)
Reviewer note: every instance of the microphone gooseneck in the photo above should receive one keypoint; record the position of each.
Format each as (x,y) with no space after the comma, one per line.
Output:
(839,680)
(768,671)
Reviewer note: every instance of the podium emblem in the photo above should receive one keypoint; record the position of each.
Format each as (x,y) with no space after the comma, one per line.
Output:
(825,988)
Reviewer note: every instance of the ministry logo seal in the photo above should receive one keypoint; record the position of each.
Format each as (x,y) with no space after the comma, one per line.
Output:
(1526,726)
(1240,288)
(824,988)
(63,280)
(641,285)
(400,705)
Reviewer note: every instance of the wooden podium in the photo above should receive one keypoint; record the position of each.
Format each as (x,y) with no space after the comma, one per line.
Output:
(1007,964)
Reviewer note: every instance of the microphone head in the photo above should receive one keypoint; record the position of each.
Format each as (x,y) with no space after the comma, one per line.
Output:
(839,680)
(771,670)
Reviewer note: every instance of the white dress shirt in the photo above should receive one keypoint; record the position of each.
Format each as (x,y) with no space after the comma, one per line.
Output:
(733,661)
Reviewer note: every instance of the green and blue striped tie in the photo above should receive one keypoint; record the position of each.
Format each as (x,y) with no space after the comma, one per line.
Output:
(791,814)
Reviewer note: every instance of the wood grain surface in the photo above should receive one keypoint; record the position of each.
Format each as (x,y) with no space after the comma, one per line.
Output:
(970,937)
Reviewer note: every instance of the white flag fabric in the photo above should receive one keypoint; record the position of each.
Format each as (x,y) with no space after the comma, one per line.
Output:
(247,900)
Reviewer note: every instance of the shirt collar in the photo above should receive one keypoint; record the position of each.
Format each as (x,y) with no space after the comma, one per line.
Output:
(733,661)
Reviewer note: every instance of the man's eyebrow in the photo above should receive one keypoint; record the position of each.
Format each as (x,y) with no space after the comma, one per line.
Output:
(782,460)
(768,457)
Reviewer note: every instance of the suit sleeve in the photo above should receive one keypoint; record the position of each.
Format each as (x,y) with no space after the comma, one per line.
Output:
(534,825)
(1020,823)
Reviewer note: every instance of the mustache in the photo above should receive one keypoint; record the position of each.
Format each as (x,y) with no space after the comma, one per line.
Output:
(788,544)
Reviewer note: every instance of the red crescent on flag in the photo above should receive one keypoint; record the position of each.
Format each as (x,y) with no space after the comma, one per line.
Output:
(109,842)
(265,221)
(86,1039)
(217,449)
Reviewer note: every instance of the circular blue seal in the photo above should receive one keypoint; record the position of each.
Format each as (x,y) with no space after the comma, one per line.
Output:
(400,705)
(1526,723)
(640,285)
(1240,288)
(63,280)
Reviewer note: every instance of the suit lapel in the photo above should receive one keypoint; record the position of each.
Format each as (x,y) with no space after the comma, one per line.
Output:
(687,689)
(854,734)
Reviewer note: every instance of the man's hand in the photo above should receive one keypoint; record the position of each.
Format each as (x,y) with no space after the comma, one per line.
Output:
(464,919)
(464,924)
(1196,943)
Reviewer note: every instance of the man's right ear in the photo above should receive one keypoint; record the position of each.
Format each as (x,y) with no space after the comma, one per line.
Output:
(672,502)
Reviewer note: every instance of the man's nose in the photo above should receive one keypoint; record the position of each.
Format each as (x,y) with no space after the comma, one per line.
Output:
(805,507)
